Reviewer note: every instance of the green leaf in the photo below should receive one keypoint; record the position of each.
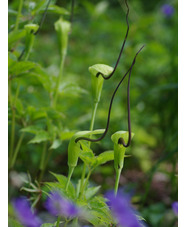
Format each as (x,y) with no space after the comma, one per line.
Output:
(91,191)
(62,182)
(31,129)
(19,106)
(87,157)
(31,69)
(50,224)
(86,147)
(13,223)
(17,68)
(38,7)
(78,187)
(42,76)
(98,202)
(88,133)
(104,157)
(47,225)
(55,9)
(93,219)
(40,136)
(103,219)
(53,114)
(100,210)
(34,114)
(56,143)
(11,59)
(15,36)
(100,8)
(56,186)
(70,89)
(12,12)
(66,135)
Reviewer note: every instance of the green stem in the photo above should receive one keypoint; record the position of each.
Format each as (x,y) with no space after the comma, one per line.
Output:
(93,118)
(91,129)
(45,164)
(12,133)
(85,184)
(48,157)
(66,222)
(59,80)
(13,122)
(18,15)
(71,170)
(93,115)
(17,150)
(83,177)
(42,162)
(58,221)
(28,52)
(29,45)
(75,222)
(118,173)
(17,89)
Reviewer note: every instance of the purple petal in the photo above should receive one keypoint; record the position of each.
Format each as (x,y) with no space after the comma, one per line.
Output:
(121,209)
(24,213)
(175,208)
(59,206)
(54,204)
(167,10)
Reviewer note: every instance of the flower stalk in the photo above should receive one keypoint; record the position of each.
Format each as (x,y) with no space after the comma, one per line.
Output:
(18,15)
(62,28)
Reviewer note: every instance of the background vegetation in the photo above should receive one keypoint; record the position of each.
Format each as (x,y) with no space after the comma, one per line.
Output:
(96,37)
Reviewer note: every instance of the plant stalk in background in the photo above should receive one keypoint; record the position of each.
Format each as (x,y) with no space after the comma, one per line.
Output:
(62,28)
(18,15)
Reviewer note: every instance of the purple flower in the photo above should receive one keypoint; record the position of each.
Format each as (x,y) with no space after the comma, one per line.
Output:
(59,206)
(167,10)
(24,213)
(121,209)
(175,208)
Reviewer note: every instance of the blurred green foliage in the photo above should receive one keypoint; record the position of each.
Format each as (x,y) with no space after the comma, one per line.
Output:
(96,36)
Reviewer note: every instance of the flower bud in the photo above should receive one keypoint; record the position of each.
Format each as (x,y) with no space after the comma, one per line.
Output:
(62,28)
